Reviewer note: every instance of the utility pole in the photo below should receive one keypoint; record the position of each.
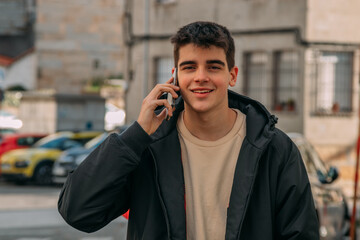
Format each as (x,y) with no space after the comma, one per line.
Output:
(146,48)
(353,216)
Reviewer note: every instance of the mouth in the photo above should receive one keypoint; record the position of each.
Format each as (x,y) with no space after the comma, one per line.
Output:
(202,91)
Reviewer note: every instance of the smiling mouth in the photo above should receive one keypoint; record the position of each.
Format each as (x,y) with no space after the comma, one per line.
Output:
(201,91)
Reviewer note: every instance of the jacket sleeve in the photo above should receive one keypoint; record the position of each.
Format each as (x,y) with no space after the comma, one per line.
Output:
(98,190)
(296,216)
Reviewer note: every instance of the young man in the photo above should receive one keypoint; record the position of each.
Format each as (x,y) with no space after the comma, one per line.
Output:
(218,169)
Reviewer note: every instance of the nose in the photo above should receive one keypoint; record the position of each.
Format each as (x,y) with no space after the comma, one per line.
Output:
(201,75)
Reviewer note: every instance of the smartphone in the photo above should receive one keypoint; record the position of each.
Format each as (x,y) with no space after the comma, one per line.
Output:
(169,96)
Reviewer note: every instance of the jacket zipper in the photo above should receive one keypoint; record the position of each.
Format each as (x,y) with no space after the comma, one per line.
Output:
(160,197)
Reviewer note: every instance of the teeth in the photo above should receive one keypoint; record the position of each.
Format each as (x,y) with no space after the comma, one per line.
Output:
(202,91)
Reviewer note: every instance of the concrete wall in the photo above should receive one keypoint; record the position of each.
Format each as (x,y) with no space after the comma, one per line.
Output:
(22,72)
(38,115)
(78,41)
(333,20)
(86,113)
(235,14)
(47,112)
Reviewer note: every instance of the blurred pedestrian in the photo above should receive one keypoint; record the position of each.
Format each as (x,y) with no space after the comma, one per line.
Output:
(217,169)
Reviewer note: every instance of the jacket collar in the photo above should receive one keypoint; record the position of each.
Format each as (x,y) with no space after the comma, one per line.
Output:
(259,122)
(167,154)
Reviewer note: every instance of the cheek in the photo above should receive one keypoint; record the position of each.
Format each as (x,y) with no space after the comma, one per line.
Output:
(182,83)
(222,83)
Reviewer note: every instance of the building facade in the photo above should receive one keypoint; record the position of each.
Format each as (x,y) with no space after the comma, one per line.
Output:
(17,56)
(300,58)
(78,42)
(49,112)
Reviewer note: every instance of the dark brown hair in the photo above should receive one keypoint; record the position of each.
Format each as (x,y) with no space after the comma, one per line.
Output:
(205,34)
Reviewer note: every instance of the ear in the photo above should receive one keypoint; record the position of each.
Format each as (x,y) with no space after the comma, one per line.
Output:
(233,76)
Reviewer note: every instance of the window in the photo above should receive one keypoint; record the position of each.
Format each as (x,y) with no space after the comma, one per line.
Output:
(53,143)
(332,84)
(256,77)
(163,69)
(27,141)
(286,82)
(68,143)
(96,64)
(277,89)
(165,1)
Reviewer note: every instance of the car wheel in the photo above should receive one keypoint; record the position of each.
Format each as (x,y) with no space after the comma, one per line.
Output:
(43,174)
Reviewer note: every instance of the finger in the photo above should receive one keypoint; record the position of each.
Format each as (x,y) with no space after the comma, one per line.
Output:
(162,115)
(170,113)
(170,80)
(169,83)
(163,102)
(165,89)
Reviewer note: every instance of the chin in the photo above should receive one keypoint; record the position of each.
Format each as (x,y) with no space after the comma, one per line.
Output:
(200,109)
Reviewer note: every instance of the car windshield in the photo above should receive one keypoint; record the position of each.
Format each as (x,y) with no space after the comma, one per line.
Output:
(319,164)
(52,143)
(51,140)
(312,160)
(93,143)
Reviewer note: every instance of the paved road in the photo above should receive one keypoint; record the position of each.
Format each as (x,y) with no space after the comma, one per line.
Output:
(30,213)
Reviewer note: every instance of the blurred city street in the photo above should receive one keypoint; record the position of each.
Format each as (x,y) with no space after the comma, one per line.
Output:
(74,72)
(30,212)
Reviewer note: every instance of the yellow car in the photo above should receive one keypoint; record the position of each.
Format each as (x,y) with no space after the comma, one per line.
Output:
(36,163)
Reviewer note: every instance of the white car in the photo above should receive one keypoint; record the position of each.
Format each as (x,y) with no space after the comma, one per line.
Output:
(330,202)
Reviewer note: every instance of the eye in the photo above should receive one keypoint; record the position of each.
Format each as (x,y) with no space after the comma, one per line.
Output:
(215,67)
(188,67)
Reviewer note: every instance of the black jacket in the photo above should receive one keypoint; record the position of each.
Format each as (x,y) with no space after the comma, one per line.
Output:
(270,199)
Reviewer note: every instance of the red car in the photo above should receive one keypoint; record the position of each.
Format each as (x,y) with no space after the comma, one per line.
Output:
(18,140)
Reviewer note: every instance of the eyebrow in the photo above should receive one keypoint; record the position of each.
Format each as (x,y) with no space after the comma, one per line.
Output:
(215,62)
(207,62)
(187,63)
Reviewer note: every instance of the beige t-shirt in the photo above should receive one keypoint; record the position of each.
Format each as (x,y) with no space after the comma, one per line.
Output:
(209,168)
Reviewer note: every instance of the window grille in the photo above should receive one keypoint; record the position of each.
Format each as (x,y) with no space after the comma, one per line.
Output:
(256,78)
(332,83)
(286,81)
(163,69)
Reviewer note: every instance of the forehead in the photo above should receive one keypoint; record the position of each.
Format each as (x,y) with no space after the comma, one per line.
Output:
(191,52)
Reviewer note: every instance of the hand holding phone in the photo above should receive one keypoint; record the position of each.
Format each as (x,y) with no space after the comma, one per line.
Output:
(148,119)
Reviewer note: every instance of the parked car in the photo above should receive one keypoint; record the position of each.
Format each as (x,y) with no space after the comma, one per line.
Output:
(72,158)
(36,163)
(330,202)
(18,140)
(69,160)
(6,131)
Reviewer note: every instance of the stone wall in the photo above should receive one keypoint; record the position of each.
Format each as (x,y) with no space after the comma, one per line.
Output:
(78,41)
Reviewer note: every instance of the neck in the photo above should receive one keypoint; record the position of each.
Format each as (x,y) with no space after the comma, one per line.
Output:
(210,126)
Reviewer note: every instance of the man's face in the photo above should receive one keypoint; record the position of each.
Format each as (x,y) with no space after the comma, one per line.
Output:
(204,78)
